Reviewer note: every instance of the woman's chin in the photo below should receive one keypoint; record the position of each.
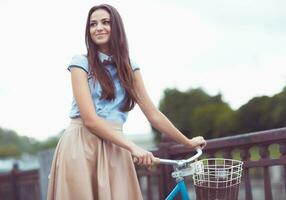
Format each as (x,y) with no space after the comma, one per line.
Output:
(101,42)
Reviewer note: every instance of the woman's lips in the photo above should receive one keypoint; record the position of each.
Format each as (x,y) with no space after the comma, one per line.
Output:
(101,34)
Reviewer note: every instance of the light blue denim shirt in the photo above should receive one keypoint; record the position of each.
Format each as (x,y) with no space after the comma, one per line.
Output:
(109,110)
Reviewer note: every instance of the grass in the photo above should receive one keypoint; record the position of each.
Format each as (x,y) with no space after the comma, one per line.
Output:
(254,153)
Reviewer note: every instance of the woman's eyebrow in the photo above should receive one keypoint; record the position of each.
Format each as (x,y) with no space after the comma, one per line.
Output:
(105,19)
(94,20)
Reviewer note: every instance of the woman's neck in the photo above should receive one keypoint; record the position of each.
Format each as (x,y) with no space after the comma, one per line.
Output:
(105,50)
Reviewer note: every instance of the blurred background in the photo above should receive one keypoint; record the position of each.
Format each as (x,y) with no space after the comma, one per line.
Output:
(215,68)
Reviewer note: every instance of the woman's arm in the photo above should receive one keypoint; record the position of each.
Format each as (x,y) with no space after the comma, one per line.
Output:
(98,125)
(158,119)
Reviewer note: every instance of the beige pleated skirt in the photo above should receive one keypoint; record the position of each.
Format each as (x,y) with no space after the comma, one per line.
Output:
(85,167)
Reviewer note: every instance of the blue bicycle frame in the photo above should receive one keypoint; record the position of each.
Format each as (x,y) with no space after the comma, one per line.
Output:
(180,187)
(182,168)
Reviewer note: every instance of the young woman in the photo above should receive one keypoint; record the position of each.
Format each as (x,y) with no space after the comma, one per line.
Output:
(93,159)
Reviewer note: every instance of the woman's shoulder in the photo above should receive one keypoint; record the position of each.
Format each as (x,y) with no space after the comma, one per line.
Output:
(134,64)
(79,60)
(80,57)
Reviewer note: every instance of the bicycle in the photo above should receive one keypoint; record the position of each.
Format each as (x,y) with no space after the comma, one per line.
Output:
(214,178)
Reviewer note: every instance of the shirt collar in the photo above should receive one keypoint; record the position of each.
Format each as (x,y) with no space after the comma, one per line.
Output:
(103,57)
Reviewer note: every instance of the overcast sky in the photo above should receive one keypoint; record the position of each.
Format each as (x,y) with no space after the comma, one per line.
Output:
(235,47)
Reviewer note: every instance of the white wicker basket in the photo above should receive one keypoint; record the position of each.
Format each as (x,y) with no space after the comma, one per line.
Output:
(219,179)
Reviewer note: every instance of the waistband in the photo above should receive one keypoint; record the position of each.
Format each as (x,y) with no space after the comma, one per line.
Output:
(79,121)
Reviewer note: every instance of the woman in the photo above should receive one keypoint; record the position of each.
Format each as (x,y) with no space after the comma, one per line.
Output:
(93,160)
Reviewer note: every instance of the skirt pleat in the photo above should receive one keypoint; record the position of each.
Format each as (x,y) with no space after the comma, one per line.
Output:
(86,167)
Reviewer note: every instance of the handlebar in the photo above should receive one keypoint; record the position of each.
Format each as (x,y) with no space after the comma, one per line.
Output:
(180,163)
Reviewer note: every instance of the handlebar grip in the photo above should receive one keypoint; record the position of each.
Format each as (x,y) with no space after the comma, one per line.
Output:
(199,150)
(157,161)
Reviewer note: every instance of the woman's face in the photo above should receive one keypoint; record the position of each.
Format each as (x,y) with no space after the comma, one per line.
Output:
(100,29)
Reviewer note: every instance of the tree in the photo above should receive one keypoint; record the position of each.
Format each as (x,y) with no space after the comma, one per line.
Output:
(13,145)
(256,115)
(263,113)
(213,120)
(179,107)
(278,110)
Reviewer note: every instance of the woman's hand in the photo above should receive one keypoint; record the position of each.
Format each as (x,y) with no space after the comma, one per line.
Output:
(196,142)
(143,157)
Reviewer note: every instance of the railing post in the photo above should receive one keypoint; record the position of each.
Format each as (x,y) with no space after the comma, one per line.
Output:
(283,154)
(245,155)
(15,190)
(163,148)
(227,153)
(267,184)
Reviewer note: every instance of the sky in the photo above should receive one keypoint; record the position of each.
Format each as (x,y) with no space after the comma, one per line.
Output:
(233,47)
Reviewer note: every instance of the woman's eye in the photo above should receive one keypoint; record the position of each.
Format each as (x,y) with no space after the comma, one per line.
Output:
(106,22)
(92,24)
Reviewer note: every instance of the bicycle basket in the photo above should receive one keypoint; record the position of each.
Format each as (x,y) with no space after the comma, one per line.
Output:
(219,179)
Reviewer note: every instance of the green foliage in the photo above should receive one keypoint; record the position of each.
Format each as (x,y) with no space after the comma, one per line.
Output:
(194,112)
(13,145)
(252,116)
(213,120)
(262,113)
(7,150)
(50,143)
(278,113)
(179,106)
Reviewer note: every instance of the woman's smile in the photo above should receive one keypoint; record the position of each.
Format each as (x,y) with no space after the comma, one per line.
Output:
(101,34)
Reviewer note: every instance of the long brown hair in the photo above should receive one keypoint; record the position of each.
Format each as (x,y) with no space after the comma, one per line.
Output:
(119,49)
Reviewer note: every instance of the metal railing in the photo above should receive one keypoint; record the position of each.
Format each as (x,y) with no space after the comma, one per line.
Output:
(17,185)
(239,147)
(156,183)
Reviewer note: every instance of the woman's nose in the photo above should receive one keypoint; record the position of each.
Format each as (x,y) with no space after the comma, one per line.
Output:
(99,26)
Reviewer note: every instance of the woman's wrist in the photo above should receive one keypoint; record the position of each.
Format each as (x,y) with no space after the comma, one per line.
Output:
(130,146)
(188,143)
(184,140)
(179,137)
